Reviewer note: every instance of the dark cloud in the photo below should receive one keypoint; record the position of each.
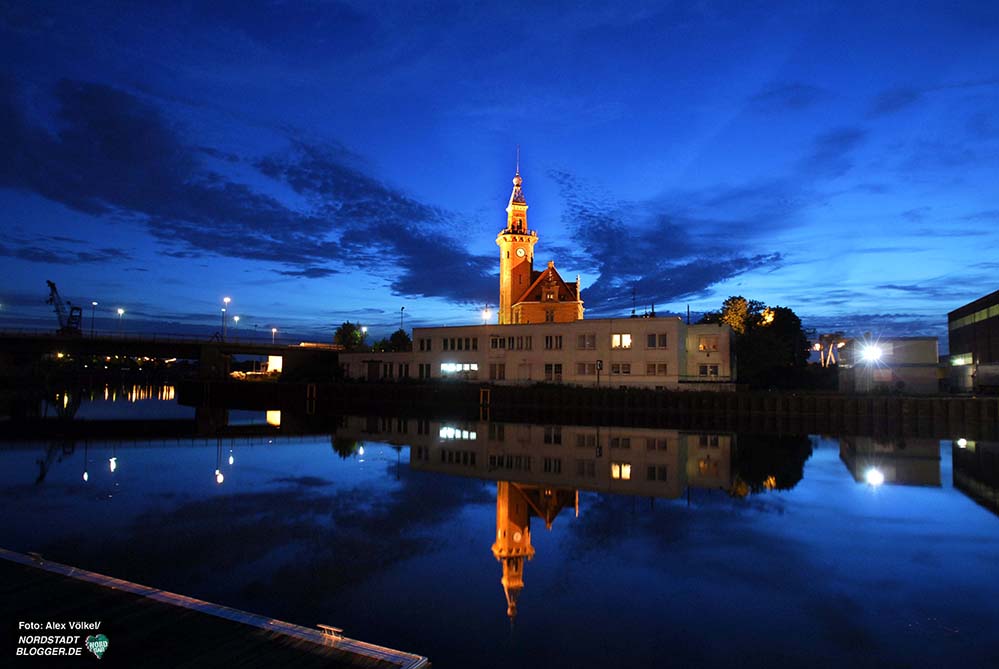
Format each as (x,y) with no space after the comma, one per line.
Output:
(59,250)
(793,96)
(646,254)
(830,157)
(917,214)
(895,100)
(114,155)
(308,272)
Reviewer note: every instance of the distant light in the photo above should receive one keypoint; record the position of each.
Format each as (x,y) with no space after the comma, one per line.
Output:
(871,353)
(113,464)
(841,344)
(121,312)
(86,477)
(364,330)
(817,346)
(875,477)
(219,477)
(360,450)
(231,458)
(962,443)
(93,304)
(60,355)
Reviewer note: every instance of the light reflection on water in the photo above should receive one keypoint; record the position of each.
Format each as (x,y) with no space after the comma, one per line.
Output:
(714,547)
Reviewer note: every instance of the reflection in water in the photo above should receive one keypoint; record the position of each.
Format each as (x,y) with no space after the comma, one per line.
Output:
(901,461)
(976,471)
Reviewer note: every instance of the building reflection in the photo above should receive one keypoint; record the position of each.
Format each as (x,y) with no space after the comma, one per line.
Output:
(541,469)
(976,471)
(900,461)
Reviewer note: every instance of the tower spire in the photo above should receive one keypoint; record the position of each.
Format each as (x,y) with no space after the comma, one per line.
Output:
(518,160)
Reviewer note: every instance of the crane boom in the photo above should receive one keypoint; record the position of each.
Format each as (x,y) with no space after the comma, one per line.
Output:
(70,317)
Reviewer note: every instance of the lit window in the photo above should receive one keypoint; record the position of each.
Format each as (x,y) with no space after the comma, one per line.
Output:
(621,470)
(621,340)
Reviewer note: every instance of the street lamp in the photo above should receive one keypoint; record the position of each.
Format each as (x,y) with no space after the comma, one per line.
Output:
(225,301)
(485,316)
(235,320)
(93,311)
(121,313)
(273,332)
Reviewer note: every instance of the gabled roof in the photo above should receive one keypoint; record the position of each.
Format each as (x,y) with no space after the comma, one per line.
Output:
(545,275)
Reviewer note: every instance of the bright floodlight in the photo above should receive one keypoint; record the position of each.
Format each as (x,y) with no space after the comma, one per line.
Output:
(113,464)
(962,443)
(875,477)
(871,353)
(219,478)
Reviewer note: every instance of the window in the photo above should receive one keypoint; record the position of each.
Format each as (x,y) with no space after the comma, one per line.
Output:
(549,315)
(553,342)
(527,343)
(586,441)
(621,340)
(708,440)
(403,370)
(620,442)
(475,343)
(466,370)
(553,465)
(621,470)
(621,368)
(553,372)
(424,370)
(708,343)
(707,370)
(497,371)
(586,468)
(553,434)
(654,444)
(655,368)
(387,370)
(586,368)
(656,473)
(586,341)
(497,431)
(656,340)
(425,344)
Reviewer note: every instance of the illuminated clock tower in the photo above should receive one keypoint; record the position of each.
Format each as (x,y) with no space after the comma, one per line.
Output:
(516,243)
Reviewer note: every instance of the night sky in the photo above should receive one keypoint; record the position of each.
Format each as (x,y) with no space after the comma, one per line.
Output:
(320,162)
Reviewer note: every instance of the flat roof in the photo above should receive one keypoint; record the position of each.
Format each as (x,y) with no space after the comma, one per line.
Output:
(975,305)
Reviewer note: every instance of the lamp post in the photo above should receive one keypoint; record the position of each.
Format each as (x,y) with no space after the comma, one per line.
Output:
(273,333)
(402,316)
(121,313)
(225,301)
(364,333)
(235,327)
(485,316)
(93,314)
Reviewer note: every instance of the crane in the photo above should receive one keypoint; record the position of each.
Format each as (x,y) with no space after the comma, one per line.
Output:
(69,323)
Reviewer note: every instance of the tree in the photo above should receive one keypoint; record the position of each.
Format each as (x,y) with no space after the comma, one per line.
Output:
(741,314)
(400,341)
(349,336)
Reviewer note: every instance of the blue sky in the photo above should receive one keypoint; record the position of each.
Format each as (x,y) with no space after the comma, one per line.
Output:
(320,162)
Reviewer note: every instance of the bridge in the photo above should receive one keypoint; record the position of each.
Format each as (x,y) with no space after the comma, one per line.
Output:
(213,355)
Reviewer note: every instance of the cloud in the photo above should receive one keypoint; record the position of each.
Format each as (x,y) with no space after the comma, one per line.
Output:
(59,250)
(114,155)
(790,96)
(895,100)
(646,254)
(829,157)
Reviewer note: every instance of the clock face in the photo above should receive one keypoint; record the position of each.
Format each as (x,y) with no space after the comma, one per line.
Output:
(521,253)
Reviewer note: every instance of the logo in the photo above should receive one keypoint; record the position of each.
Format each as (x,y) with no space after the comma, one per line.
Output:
(97,645)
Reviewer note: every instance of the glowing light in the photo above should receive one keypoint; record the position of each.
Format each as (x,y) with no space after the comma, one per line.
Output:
(219,477)
(113,464)
(231,458)
(86,477)
(874,477)
(275,363)
(60,355)
(767,317)
(816,347)
(962,443)
(360,450)
(227,300)
(871,353)
(274,418)
(121,312)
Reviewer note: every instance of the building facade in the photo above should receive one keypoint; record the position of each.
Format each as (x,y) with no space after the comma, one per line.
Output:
(527,295)
(973,337)
(900,364)
(655,353)
(541,336)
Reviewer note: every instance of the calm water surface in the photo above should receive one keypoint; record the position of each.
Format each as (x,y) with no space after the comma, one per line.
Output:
(708,550)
